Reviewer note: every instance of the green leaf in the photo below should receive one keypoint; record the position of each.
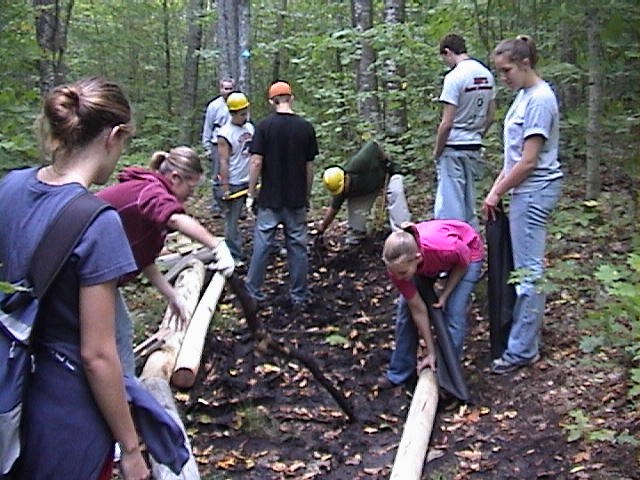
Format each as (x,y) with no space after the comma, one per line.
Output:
(336,339)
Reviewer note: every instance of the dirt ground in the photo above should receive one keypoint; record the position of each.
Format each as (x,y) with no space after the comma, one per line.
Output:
(257,416)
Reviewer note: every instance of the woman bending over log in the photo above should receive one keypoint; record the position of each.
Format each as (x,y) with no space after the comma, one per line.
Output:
(150,202)
(428,249)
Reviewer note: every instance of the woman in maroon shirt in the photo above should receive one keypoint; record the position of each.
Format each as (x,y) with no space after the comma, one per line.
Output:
(150,204)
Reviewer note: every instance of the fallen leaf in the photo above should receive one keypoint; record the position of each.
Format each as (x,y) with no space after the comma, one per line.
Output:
(472,455)
(355,460)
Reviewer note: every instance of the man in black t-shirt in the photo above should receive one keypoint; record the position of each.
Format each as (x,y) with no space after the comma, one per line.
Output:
(282,153)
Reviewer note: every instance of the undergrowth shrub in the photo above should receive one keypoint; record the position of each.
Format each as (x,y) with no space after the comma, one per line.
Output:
(615,322)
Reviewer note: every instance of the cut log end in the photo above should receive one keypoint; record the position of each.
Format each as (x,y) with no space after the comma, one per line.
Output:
(183,378)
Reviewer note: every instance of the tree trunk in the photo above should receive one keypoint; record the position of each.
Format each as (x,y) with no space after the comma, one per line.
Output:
(279,33)
(395,104)
(52,22)
(244,52)
(228,42)
(569,92)
(362,11)
(167,58)
(160,390)
(594,115)
(190,78)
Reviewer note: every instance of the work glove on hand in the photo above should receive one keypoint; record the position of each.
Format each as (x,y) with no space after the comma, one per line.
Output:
(250,204)
(224,261)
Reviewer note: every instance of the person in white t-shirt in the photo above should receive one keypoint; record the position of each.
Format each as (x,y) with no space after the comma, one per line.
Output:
(533,177)
(234,141)
(468,107)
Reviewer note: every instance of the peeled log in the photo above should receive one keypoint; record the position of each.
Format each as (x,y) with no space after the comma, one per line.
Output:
(417,429)
(161,362)
(161,391)
(190,355)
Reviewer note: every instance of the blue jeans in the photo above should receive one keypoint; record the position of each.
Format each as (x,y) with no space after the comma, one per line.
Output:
(294,221)
(232,210)
(457,171)
(528,216)
(124,336)
(404,358)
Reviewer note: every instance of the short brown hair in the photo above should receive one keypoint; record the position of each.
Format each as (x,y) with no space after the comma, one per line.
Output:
(453,42)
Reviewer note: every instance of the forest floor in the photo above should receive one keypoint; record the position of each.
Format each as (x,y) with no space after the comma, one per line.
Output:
(256,416)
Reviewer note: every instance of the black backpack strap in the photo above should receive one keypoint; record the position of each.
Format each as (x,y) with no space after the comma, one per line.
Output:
(60,238)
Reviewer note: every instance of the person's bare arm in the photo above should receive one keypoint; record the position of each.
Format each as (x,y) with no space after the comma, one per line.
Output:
(328,218)
(193,229)
(420,317)
(159,281)
(444,128)
(309,169)
(103,370)
(455,275)
(224,152)
(254,173)
(521,170)
(491,114)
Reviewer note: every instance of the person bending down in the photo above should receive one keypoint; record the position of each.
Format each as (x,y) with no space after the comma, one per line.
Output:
(360,182)
(427,249)
(150,204)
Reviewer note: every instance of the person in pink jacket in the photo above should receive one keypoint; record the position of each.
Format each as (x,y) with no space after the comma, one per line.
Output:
(428,249)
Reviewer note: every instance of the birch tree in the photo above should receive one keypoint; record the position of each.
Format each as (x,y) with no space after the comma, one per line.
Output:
(594,114)
(395,111)
(190,113)
(362,17)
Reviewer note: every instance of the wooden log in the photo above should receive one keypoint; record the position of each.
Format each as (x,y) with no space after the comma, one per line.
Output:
(205,255)
(161,391)
(190,355)
(162,360)
(417,429)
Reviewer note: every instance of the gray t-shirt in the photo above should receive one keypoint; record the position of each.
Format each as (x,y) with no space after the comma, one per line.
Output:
(533,112)
(470,87)
(239,139)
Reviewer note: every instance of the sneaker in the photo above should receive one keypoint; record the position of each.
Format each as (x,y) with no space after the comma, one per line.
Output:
(383,383)
(500,366)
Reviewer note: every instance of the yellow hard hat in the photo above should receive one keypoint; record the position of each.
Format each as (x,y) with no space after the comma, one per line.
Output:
(333,179)
(237,101)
